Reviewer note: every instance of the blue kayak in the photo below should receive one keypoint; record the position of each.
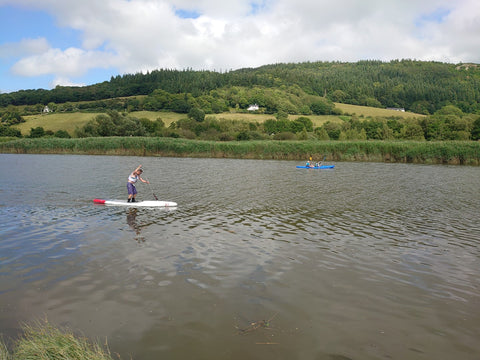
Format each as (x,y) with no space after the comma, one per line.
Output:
(316,167)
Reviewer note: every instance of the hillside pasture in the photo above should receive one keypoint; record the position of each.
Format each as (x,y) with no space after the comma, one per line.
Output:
(166,116)
(70,121)
(367,111)
(317,120)
(55,122)
(169,117)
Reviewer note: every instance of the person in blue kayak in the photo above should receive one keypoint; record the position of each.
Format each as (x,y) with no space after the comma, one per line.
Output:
(132,179)
(308,162)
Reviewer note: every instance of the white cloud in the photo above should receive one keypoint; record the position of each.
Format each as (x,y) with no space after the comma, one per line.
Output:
(140,35)
(71,62)
(459,34)
(231,9)
(24,48)
(59,81)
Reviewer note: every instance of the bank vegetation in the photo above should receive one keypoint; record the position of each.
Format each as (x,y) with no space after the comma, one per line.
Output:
(419,152)
(43,341)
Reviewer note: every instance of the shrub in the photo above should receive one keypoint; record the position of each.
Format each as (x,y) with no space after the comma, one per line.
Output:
(37,132)
(196,114)
(11,118)
(321,106)
(242,136)
(226,137)
(322,133)
(8,131)
(476,129)
(285,135)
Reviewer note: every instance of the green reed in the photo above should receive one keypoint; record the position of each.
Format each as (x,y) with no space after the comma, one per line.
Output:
(42,341)
(445,152)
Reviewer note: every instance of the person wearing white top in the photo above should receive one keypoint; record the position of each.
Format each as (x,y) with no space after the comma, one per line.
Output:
(132,179)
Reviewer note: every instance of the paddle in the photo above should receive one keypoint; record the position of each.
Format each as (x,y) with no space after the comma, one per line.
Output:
(155,196)
(322,160)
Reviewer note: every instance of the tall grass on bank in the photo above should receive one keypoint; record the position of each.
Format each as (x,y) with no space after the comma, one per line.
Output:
(444,152)
(4,355)
(42,341)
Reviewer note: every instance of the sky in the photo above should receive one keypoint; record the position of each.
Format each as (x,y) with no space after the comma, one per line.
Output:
(45,43)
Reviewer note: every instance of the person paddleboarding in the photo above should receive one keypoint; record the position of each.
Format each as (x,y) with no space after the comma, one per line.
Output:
(132,179)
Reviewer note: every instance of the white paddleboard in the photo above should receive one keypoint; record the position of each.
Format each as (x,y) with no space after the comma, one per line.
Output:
(147,203)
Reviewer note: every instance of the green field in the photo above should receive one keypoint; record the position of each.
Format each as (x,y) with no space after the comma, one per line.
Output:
(70,121)
(318,120)
(374,112)
(167,116)
(55,122)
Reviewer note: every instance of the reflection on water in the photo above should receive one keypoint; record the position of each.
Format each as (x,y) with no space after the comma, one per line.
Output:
(259,260)
(132,222)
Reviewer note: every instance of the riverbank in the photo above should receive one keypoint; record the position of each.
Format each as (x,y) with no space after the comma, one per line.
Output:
(43,341)
(420,152)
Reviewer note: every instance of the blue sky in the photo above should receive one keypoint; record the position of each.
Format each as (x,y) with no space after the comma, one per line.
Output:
(45,43)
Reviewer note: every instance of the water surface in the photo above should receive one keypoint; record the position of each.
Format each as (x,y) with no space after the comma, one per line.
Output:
(365,261)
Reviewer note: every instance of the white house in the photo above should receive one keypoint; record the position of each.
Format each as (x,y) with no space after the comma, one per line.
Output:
(253,107)
(46,109)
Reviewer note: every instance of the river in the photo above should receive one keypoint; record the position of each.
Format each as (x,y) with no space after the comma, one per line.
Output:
(260,260)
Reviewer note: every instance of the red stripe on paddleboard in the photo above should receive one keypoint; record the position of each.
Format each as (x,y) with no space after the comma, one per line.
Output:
(99,201)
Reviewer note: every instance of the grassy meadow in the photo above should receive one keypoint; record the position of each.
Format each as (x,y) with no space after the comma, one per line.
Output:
(70,121)
(55,122)
(166,116)
(374,112)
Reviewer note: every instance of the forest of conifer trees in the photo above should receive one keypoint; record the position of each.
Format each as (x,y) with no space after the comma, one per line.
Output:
(422,87)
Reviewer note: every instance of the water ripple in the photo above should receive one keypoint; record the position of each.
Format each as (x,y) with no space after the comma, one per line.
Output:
(363,255)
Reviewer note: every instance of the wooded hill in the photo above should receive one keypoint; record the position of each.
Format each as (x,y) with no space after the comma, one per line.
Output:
(417,86)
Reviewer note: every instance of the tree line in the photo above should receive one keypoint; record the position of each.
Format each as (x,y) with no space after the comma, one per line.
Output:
(417,86)
(285,100)
(448,123)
